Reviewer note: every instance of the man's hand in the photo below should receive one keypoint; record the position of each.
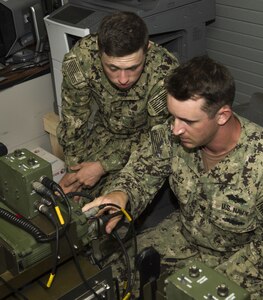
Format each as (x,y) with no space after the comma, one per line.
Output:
(119,198)
(69,183)
(88,173)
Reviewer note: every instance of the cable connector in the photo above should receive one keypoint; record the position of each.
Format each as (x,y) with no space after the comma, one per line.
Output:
(41,207)
(42,190)
(49,183)
(99,223)
(91,212)
(44,210)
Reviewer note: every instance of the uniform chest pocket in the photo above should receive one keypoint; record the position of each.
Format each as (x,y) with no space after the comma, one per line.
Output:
(233,209)
(133,114)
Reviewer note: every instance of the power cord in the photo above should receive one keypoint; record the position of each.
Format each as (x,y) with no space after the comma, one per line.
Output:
(102,220)
(81,194)
(78,267)
(47,213)
(53,186)
(127,284)
(45,192)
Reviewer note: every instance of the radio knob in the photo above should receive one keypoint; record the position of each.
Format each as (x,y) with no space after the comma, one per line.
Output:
(194,271)
(222,290)
(31,161)
(18,153)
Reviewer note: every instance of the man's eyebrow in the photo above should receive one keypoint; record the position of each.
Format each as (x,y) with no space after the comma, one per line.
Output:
(185,120)
(131,67)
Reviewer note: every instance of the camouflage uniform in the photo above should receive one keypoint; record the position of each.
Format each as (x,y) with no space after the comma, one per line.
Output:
(220,219)
(123,117)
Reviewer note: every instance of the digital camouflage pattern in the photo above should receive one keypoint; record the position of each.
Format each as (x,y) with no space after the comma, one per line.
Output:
(220,218)
(122,118)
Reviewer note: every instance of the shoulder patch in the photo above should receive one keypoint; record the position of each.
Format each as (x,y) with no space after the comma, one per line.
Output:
(157,104)
(161,143)
(72,69)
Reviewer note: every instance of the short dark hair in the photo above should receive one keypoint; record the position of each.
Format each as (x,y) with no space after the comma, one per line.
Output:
(202,77)
(122,33)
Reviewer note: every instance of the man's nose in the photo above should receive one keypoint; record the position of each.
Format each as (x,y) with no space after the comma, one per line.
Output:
(178,127)
(123,77)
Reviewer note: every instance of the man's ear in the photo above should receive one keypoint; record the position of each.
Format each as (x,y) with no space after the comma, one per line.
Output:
(149,45)
(224,114)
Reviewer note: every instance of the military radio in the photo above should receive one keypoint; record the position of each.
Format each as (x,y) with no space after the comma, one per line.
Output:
(199,282)
(18,170)
(29,239)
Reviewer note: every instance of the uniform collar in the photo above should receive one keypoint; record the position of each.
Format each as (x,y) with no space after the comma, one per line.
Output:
(131,94)
(225,171)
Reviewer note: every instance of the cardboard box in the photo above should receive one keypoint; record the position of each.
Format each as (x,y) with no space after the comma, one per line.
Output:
(51,121)
(57,165)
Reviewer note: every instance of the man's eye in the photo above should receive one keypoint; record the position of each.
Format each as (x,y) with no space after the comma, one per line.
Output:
(133,68)
(188,122)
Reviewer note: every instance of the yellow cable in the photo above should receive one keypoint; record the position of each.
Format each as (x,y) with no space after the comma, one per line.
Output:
(61,220)
(127,296)
(50,280)
(126,214)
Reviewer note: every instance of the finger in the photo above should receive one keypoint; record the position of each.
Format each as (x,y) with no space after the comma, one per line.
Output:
(68,181)
(76,185)
(67,189)
(75,168)
(112,224)
(71,188)
(95,202)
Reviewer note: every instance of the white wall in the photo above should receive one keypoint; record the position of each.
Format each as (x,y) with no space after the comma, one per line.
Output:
(236,40)
(21,113)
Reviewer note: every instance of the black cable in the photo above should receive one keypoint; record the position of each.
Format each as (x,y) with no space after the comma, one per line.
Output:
(52,185)
(103,220)
(127,290)
(132,228)
(107,256)
(81,194)
(45,192)
(56,259)
(27,226)
(117,288)
(129,218)
(35,232)
(56,188)
(47,213)
(110,204)
(115,234)
(76,262)
(24,224)
(101,223)
(135,252)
